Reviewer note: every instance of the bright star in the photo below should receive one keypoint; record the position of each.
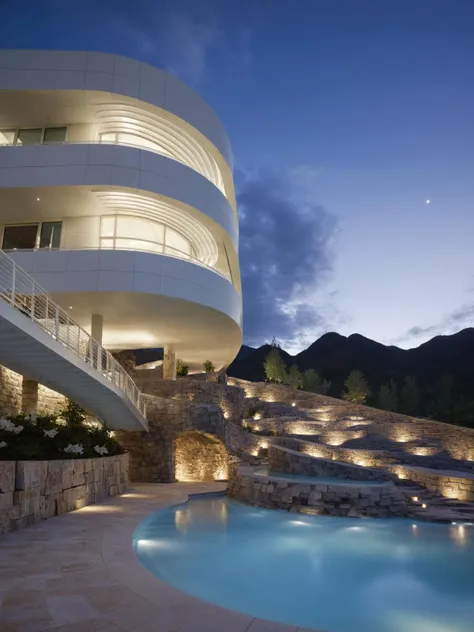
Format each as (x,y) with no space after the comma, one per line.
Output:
(428,202)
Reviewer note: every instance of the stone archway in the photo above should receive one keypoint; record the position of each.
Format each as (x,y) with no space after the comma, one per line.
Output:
(200,456)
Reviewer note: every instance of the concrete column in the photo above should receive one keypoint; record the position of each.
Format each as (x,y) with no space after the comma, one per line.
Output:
(169,363)
(97,326)
(29,396)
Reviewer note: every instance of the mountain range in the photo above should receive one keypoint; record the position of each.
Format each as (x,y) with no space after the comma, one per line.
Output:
(334,356)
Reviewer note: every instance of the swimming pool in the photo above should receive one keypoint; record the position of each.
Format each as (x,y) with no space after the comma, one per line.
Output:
(336,574)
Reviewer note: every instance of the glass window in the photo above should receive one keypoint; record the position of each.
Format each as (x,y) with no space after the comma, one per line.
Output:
(54,135)
(175,241)
(107,226)
(29,136)
(50,235)
(21,237)
(7,136)
(139,228)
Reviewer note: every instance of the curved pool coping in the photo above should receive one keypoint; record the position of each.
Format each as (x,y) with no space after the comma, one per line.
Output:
(195,614)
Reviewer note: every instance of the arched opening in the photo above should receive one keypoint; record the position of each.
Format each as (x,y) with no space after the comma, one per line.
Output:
(200,457)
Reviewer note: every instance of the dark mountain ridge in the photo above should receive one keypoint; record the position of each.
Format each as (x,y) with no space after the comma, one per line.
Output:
(334,356)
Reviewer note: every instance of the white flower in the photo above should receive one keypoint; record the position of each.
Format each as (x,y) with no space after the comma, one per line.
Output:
(6,424)
(9,426)
(3,444)
(74,448)
(50,433)
(101,449)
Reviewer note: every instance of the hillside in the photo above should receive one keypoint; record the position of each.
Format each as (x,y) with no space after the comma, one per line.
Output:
(334,356)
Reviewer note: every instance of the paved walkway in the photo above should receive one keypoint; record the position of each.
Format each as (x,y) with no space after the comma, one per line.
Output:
(78,573)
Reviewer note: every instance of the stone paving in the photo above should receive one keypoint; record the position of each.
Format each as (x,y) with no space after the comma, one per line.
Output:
(77,573)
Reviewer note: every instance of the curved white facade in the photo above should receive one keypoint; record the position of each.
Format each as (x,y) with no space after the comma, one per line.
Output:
(117,195)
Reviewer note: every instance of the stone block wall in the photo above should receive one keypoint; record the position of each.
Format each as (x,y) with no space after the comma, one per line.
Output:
(152,453)
(230,399)
(374,500)
(11,395)
(31,491)
(288,461)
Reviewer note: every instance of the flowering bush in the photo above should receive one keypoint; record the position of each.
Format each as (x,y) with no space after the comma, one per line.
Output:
(67,435)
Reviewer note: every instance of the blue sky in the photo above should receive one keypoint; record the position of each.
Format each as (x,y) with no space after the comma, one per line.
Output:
(345,116)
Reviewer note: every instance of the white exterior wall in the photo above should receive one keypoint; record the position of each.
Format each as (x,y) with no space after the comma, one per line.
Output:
(75,183)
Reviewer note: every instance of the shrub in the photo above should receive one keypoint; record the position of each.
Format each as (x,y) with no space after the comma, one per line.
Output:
(64,436)
(208,367)
(181,368)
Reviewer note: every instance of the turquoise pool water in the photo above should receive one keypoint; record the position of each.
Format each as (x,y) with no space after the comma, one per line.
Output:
(336,574)
(321,480)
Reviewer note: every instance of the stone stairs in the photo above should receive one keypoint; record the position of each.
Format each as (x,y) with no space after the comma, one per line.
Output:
(431,506)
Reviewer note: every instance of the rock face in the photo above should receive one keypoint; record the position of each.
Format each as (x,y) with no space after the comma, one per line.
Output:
(379,500)
(31,491)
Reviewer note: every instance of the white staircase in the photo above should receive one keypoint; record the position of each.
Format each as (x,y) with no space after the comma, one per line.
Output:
(42,342)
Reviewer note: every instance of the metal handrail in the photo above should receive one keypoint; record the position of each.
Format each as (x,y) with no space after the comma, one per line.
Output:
(22,292)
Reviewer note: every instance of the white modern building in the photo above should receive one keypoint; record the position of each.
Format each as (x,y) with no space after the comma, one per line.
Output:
(116,195)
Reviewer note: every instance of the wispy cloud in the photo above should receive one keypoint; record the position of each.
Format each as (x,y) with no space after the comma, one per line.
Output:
(451,323)
(188,42)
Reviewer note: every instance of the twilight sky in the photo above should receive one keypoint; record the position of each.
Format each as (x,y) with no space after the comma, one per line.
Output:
(345,117)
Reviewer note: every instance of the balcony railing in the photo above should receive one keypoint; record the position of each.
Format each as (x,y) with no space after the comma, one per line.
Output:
(22,292)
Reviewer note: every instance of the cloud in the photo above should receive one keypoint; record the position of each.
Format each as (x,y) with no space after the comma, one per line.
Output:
(188,40)
(286,258)
(451,323)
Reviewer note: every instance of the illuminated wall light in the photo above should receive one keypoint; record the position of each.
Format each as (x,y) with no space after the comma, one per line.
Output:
(401,476)
(256,428)
(424,506)
(415,498)
(254,452)
(293,404)
(257,416)
(264,445)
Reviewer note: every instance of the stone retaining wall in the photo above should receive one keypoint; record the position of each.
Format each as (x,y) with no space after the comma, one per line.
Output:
(229,398)
(374,500)
(456,440)
(31,491)
(448,483)
(288,461)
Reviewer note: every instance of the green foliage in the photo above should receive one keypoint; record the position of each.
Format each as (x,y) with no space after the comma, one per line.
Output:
(314,383)
(50,437)
(208,367)
(294,377)
(388,396)
(73,414)
(274,365)
(181,368)
(443,403)
(356,389)
(410,398)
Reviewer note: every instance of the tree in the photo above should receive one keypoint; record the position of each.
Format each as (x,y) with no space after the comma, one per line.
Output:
(356,389)
(410,396)
(208,367)
(73,414)
(294,377)
(444,396)
(314,383)
(274,365)
(181,368)
(388,396)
